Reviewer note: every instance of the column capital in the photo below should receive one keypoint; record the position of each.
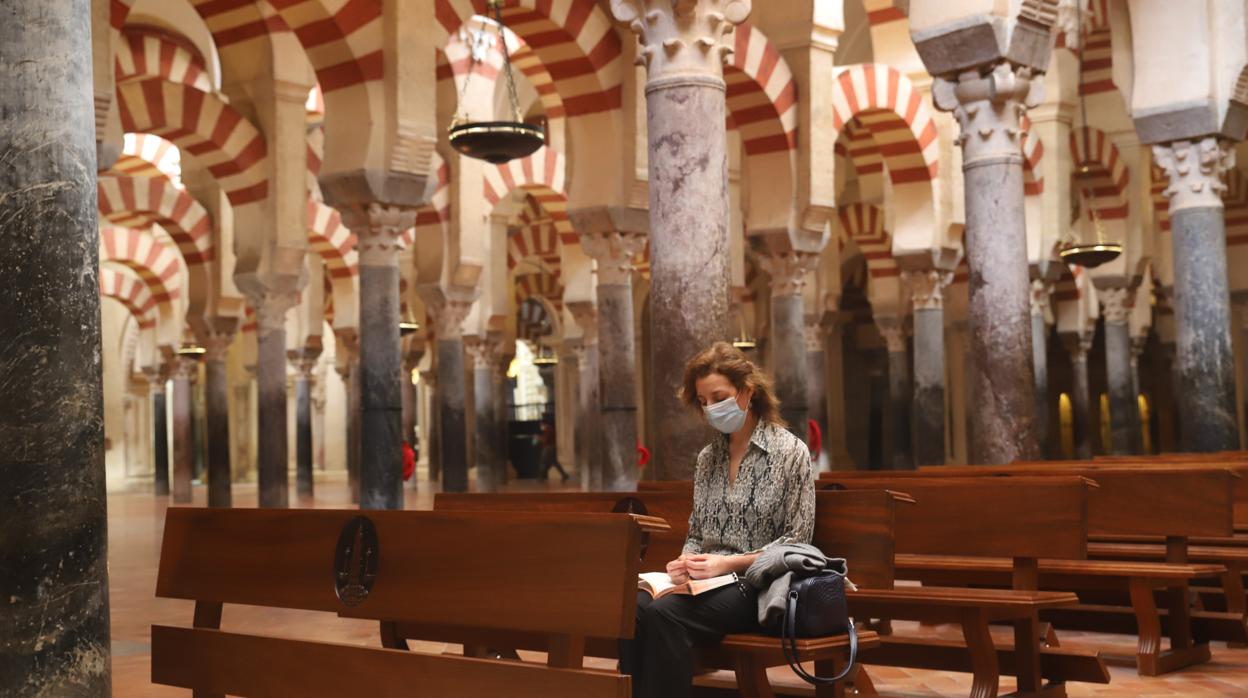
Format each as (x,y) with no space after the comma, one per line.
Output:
(216,345)
(682,41)
(378,231)
(586,316)
(1138,343)
(271,308)
(1078,344)
(303,364)
(1041,298)
(927,287)
(448,308)
(1196,170)
(814,335)
(614,251)
(989,104)
(787,269)
(156,377)
(482,351)
(1116,304)
(894,333)
(186,368)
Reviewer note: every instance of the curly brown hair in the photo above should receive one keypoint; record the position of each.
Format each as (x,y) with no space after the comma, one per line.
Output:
(731,363)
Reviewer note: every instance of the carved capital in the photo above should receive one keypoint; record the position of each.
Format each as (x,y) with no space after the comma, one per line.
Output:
(483,352)
(1138,344)
(788,270)
(448,316)
(614,252)
(682,40)
(814,335)
(378,231)
(156,377)
(989,105)
(271,308)
(1116,304)
(586,316)
(1196,169)
(1080,346)
(216,345)
(894,334)
(1041,295)
(927,287)
(185,368)
(304,367)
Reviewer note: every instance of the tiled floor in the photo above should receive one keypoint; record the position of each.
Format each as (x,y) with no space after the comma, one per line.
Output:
(135,525)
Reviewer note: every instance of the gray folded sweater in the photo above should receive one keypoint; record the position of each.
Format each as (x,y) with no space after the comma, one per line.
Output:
(772,571)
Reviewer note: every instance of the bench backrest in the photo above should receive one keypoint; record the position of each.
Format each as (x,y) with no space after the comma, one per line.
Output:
(856,525)
(1176,502)
(1026,517)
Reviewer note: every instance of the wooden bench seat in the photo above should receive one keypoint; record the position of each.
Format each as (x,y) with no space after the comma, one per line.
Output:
(481,573)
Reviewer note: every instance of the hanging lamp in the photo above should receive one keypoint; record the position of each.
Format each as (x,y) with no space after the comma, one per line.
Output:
(744,342)
(1088,254)
(545,357)
(494,141)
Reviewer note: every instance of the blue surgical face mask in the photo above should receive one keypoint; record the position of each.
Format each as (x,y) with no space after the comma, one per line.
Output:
(726,416)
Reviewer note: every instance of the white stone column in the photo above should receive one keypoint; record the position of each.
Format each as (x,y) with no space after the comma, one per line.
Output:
(1041,293)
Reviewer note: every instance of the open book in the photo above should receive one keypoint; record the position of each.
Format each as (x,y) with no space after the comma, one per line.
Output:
(659,584)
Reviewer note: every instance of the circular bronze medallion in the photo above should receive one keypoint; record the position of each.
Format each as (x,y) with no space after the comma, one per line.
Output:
(355,561)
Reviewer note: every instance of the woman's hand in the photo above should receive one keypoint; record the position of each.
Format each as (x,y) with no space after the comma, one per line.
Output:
(707,566)
(677,570)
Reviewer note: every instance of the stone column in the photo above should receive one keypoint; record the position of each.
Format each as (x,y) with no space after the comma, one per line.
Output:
(894,334)
(1138,427)
(613,244)
(683,47)
(1079,345)
(502,386)
(788,272)
(433,454)
(407,391)
(217,407)
(1040,295)
(1205,364)
(54,633)
(379,229)
(1116,311)
(481,352)
(448,316)
(817,380)
(185,370)
(271,449)
(589,397)
(160,431)
(304,364)
(988,104)
(835,439)
(927,294)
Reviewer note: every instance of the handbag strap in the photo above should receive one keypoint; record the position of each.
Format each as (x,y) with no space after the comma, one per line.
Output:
(788,643)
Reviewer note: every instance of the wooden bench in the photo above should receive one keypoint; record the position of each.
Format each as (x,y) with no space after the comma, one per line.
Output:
(861,526)
(436,568)
(854,525)
(1173,504)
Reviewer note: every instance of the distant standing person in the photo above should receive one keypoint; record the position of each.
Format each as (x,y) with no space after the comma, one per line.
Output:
(550,450)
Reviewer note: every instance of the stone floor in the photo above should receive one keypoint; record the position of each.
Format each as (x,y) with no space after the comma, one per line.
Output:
(136,521)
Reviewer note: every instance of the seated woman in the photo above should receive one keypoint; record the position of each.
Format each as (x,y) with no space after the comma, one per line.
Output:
(753,487)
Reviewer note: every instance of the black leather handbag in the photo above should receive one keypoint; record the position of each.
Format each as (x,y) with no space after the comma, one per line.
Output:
(816,607)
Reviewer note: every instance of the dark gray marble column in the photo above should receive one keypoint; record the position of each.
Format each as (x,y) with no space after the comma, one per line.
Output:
(589,406)
(448,316)
(54,633)
(836,440)
(688,189)
(787,341)
(481,352)
(899,395)
(1115,311)
(988,108)
(216,389)
(1040,295)
(502,388)
(304,366)
(817,380)
(160,431)
(1080,398)
(613,237)
(1138,344)
(348,370)
(185,371)
(927,295)
(271,449)
(407,391)
(1205,364)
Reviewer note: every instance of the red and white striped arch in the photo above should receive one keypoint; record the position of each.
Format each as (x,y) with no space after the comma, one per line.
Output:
(761,94)
(859,147)
(534,319)
(541,285)
(864,225)
(1235,199)
(575,39)
(148,54)
(1100,171)
(200,124)
(882,11)
(1033,153)
(533,235)
(147,155)
(130,292)
(542,176)
(156,263)
(330,239)
(887,103)
(138,202)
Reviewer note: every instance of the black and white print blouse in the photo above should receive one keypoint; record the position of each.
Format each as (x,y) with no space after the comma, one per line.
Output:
(772,500)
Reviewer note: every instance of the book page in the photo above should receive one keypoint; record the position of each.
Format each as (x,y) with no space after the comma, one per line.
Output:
(699,586)
(654,582)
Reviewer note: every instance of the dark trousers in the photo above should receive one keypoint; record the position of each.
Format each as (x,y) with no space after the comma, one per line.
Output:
(660,655)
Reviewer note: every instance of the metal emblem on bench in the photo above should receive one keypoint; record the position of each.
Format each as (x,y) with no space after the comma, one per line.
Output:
(355,561)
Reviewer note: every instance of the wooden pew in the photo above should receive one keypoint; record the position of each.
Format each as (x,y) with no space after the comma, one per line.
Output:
(1174,504)
(425,567)
(858,526)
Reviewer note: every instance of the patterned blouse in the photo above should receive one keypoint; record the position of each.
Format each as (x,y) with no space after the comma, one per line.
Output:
(772,500)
